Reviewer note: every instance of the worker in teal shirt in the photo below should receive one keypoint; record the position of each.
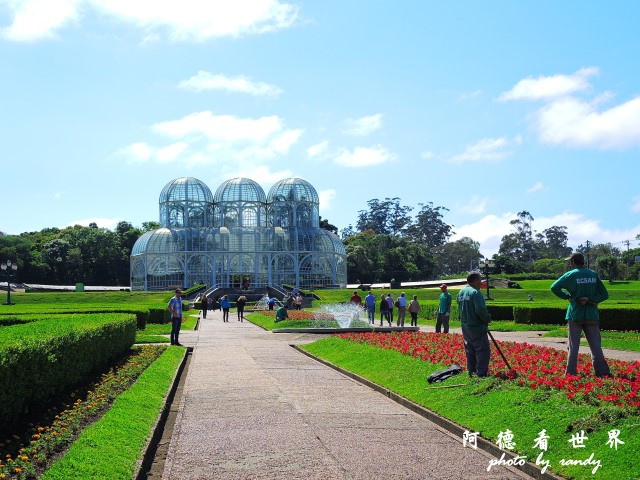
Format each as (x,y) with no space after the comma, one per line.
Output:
(584,290)
(475,319)
(444,310)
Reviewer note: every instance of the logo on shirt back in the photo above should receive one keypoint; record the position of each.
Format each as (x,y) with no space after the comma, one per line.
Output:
(586,280)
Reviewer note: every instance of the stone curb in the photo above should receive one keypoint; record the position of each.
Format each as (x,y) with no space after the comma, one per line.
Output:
(149,450)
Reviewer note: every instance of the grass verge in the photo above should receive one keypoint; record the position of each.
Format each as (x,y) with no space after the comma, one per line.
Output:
(492,407)
(112,447)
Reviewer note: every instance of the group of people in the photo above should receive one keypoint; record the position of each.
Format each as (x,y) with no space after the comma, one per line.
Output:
(387,307)
(223,303)
(583,289)
(580,286)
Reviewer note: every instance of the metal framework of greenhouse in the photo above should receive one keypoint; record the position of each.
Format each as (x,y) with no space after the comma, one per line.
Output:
(238,236)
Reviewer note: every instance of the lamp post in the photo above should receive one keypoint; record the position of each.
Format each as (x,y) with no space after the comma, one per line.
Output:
(9,271)
(486,265)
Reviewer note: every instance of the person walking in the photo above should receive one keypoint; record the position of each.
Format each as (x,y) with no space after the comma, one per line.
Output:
(175,308)
(204,305)
(390,303)
(370,305)
(225,305)
(444,310)
(384,310)
(271,302)
(402,309)
(584,290)
(475,326)
(240,304)
(414,308)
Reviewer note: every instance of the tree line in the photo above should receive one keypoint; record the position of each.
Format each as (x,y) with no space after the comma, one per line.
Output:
(386,244)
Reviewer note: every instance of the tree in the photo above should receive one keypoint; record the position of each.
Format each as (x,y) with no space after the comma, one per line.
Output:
(552,243)
(149,226)
(608,267)
(386,217)
(324,224)
(457,257)
(429,228)
(520,244)
(347,232)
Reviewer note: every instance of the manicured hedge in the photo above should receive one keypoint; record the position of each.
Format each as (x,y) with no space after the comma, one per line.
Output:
(41,359)
(618,317)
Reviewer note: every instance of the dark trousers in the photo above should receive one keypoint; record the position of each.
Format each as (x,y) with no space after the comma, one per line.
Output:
(414,319)
(477,350)
(240,313)
(442,321)
(175,330)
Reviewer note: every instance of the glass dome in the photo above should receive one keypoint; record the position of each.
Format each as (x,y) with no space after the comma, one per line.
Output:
(240,190)
(293,190)
(186,202)
(162,240)
(186,189)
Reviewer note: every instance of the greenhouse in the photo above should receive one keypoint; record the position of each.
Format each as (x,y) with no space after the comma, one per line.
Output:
(238,237)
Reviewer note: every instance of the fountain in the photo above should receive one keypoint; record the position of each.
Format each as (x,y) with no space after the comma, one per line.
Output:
(346,314)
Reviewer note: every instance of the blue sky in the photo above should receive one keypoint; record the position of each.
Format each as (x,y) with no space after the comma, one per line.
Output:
(485,108)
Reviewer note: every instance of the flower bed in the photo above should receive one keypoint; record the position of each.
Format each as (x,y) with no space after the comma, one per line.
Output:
(50,439)
(532,366)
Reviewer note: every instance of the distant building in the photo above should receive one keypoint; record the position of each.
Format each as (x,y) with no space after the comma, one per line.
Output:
(238,235)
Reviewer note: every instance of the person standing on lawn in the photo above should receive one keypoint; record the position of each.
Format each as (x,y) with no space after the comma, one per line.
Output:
(584,290)
(390,303)
(475,326)
(444,310)
(175,308)
(402,303)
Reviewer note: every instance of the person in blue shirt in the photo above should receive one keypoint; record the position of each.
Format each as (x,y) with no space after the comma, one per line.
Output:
(225,304)
(444,310)
(370,306)
(175,308)
(584,290)
(475,319)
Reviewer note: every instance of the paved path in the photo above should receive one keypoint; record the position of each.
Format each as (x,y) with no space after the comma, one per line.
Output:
(255,408)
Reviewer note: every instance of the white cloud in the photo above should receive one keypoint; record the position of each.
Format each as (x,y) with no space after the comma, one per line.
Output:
(209,81)
(463,97)
(361,127)
(57,195)
(171,152)
(489,230)
(109,223)
(550,87)
(536,187)
(138,152)
(426,155)
(37,19)
(205,138)
(487,150)
(326,199)
(576,123)
(363,157)
(198,20)
(635,205)
(317,149)
(187,20)
(475,206)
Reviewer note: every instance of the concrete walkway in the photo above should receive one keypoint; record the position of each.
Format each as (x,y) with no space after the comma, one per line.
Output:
(255,408)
